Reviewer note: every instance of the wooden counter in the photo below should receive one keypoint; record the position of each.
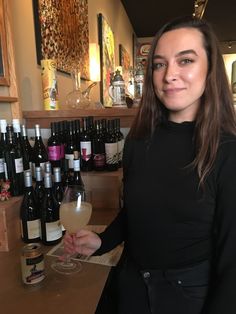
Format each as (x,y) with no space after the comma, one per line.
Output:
(56,294)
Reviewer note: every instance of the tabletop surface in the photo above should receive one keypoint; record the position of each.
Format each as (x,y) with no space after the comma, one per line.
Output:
(56,294)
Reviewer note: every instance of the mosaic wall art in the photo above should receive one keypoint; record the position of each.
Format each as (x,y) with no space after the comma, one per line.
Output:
(61,29)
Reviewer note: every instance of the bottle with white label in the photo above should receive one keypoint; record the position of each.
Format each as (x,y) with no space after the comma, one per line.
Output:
(51,229)
(29,212)
(14,164)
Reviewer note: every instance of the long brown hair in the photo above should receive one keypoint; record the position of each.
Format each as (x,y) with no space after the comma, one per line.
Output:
(216,112)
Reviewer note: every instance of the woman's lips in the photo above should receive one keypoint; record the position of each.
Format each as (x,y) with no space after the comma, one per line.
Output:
(171,91)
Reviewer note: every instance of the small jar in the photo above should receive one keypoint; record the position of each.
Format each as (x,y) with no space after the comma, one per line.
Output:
(32,264)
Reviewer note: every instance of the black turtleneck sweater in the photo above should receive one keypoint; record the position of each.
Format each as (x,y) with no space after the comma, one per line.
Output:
(167,220)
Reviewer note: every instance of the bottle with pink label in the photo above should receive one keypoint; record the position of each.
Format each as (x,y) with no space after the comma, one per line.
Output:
(54,146)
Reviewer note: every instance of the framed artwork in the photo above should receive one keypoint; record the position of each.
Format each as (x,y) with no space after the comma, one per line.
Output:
(61,33)
(107,55)
(124,62)
(142,54)
(4,69)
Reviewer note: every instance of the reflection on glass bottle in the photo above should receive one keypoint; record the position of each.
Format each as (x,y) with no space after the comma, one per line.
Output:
(75,98)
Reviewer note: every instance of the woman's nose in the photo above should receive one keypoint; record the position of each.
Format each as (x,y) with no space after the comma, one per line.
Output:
(171,73)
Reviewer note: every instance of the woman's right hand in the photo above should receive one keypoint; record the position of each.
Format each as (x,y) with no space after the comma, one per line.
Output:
(84,242)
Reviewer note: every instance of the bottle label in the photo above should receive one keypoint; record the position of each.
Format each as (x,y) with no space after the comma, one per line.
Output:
(77,165)
(34,229)
(111,153)
(54,152)
(2,165)
(62,151)
(19,165)
(63,228)
(120,149)
(53,230)
(86,150)
(70,157)
(99,160)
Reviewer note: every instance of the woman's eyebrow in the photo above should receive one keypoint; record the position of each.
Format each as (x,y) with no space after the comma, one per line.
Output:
(180,53)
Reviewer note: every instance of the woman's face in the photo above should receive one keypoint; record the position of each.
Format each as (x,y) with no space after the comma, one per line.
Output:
(179,72)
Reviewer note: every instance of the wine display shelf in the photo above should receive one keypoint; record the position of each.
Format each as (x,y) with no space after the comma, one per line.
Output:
(44,118)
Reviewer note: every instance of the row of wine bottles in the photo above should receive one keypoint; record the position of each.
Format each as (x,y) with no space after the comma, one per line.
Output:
(39,213)
(98,144)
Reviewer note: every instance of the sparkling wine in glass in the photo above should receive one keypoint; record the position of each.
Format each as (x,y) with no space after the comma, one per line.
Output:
(75,212)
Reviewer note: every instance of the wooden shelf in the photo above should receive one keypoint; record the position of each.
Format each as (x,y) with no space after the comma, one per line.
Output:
(8,99)
(44,118)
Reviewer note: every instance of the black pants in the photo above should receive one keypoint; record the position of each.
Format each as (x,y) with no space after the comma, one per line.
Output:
(177,291)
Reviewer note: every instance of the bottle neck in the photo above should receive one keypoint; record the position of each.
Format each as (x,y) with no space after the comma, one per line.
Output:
(37,132)
(10,136)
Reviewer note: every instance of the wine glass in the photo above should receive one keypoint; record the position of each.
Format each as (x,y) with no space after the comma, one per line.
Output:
(75,212)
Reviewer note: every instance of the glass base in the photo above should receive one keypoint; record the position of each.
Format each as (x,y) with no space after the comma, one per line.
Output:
(67,267)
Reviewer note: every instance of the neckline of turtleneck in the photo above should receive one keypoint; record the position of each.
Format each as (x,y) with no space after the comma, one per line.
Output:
(180,126)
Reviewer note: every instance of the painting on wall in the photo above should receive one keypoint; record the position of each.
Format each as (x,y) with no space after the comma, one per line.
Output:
(62,33)
(124,62)
(107,55)
(142,54)
(4,70)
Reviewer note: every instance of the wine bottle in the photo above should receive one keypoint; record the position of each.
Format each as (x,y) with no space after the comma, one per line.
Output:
(77,137)
(27,149)
(29,212)
(3,143)
(39,187)
(17,132)
(67,174)
(50,222)
(70,149)
(86,147)
(111,148)
(58,189)
(14,164)
(99,160)
(54,146)
(120,141)
(76,179)
(57,185)
(62,138)
(40,155)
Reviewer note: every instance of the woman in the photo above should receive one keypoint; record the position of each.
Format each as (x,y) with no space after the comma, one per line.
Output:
(178,223)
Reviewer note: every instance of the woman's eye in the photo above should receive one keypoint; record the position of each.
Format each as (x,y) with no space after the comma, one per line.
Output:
(186,61)
(157,66)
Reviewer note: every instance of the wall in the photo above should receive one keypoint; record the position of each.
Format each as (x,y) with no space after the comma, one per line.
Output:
(28,72)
